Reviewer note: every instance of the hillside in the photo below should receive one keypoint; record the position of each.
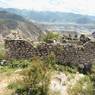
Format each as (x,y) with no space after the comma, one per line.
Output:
(53,17)
(58,64)
(10,22)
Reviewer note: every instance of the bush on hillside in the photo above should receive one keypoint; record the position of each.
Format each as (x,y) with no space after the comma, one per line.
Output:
(50,36)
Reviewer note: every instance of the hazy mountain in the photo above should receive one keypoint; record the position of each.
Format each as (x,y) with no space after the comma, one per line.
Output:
(11,22)
(53,17)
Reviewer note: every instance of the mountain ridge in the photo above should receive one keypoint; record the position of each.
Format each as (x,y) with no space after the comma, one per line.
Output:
(52,17)
(10,22)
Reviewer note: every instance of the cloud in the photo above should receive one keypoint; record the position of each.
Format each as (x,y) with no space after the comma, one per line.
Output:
(78,6)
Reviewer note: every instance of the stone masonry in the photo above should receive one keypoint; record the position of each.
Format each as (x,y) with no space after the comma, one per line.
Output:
(65,54)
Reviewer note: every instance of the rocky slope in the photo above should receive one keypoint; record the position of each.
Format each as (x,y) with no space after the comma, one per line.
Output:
(15,24)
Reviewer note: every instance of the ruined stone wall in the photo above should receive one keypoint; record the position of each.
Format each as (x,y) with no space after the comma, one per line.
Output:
(65,54)
(18,49)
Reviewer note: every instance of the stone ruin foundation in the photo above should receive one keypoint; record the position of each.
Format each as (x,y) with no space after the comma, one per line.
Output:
(65,54)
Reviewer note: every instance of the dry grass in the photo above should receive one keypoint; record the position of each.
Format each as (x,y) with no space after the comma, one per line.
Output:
(5,80)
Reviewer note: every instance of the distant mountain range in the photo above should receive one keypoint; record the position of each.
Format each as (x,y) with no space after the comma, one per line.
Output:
(52,17)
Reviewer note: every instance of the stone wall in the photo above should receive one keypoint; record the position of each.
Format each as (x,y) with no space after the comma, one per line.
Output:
(18,49)
(66,54)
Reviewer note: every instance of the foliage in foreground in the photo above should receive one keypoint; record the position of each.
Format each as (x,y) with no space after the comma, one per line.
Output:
(83,87)
(36,79)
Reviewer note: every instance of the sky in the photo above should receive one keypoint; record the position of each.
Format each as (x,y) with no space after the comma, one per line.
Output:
(76,6)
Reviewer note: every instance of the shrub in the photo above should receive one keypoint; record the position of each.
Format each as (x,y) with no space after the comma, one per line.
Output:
(36,78)
(51,36)
(83,87)
(50,60)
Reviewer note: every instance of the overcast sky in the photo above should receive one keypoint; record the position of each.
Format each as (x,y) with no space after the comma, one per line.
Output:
(77,6)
